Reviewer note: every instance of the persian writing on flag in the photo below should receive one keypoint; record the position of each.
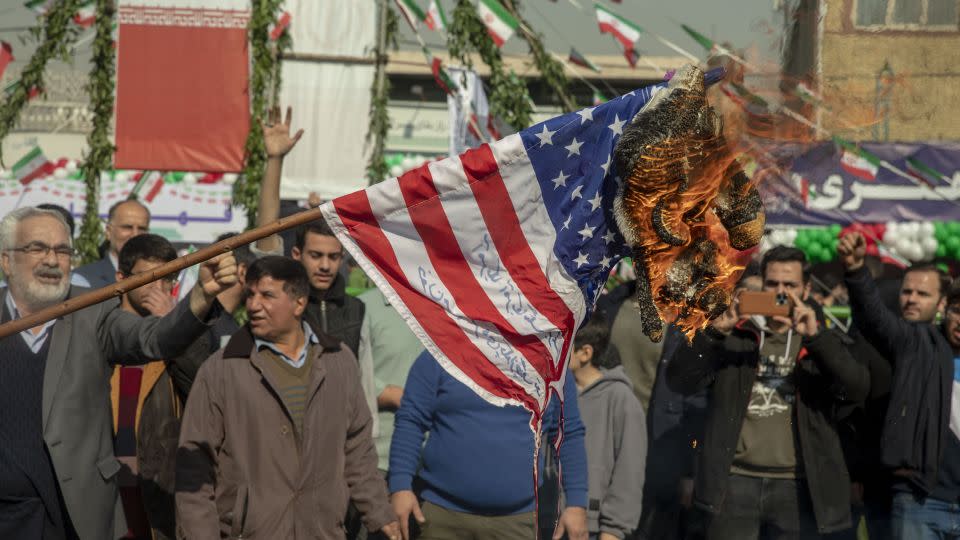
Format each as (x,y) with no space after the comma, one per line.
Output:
(496,256)
(623,30)
(500,24)
(182,85)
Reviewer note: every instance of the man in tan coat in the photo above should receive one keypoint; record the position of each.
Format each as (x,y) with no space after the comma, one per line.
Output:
(276,435)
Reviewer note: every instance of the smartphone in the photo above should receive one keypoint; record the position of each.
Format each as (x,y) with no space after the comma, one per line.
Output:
(768,304)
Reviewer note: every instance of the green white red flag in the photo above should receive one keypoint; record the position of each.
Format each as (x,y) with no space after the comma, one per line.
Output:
(86,15)
(148,186)
(436,19)
(858,161)
(411,12)
(182,85)
(40,7)
(6,56)
(923,172)
(12,87)
(623,30)
(703,40)
(32,166)
(500,24)
(582,61)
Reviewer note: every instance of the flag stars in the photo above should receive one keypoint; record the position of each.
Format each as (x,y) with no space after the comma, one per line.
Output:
(545,136)
(595,202)
(561,180)
(566,224)
(586,114)
(609,237)
(576,193)
(586,232)
(616,127)
(605,262)
(606,165)
(573,148)
(581,259)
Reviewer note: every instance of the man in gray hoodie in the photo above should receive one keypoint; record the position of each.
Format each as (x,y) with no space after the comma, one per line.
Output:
(616,436)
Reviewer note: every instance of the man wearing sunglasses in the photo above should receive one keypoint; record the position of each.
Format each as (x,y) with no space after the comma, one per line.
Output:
(57,466)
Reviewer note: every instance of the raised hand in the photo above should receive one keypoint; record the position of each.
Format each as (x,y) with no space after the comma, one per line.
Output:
(218,274)
(852,249)
(276,134)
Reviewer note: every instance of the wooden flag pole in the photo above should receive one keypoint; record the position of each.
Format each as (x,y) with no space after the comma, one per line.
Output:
(99,295)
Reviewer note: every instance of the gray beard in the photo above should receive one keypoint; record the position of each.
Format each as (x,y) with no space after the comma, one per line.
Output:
(35,295)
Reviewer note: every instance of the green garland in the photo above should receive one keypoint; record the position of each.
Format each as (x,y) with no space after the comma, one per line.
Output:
(56,35)
(551,70)
(509,98)
(379,117)
(246,190)
(100,150)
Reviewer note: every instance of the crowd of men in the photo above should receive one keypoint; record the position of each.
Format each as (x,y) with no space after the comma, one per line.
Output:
(269,403)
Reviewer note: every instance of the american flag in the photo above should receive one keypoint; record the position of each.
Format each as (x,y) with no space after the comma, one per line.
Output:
(495,257)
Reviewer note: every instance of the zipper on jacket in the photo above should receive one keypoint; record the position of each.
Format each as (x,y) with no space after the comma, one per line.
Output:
(243,515)
(323,315)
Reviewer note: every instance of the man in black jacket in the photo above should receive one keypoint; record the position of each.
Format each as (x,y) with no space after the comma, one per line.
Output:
(770,462)
(919,442)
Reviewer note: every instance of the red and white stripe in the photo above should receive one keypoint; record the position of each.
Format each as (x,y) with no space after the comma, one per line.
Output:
(463,248)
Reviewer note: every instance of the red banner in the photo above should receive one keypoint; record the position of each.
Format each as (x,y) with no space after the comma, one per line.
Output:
(182,89)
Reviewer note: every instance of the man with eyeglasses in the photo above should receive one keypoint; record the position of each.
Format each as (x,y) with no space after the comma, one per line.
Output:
(57,465)
(920,441)
(125,220)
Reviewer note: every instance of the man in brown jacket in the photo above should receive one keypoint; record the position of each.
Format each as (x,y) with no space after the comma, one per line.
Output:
(276,435)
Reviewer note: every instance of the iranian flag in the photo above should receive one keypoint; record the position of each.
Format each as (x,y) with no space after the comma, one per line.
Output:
(149,184)
(411,12)
(703,40)
(182,85)
(278,28)
(31,166)
(6,56)
(500,23)
(598,98)
(624,31)
(804,189)
(12,87)
(582,60)
(858,161)
(923,172)
(40,7)
(86,15)
(436,18)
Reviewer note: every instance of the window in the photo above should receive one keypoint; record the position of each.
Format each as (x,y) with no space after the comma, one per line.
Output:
(907,14)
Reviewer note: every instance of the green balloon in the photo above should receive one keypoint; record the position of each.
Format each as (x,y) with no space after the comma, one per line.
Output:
(941,250)
(814,252)
(953,227)
(953,243)
(802,242)
(835,230)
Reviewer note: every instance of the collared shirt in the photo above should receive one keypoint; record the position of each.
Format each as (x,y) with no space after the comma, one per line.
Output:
(34,341)
(309,337)
(114,260)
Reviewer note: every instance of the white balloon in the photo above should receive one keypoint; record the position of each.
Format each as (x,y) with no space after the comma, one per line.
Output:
(396,170)
(912,228)
(71,166)
(60,173)
(892,227)
(122,176)
(189,178)
(791,236)
(927,229)
(903,245)
(929,244)
(408,163)
(230,178)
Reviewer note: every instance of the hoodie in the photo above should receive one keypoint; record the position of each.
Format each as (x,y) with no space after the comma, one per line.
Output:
(616,453)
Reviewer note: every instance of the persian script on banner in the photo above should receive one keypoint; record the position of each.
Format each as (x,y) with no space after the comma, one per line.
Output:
(182,81)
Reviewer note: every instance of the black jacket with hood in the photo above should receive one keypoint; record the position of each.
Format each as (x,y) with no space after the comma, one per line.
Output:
(826,375)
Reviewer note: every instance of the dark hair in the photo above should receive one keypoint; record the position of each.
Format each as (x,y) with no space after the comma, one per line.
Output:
(785,254)
(317,226)
(942,277)
(63,212)
(241,253)
(289,271)
(953,295)
(144,247)
(595,333)
(113,208)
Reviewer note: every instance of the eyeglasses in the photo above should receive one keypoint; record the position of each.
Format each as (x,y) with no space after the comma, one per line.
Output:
(39,250)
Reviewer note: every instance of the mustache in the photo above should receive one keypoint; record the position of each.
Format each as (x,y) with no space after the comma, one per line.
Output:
(48,273)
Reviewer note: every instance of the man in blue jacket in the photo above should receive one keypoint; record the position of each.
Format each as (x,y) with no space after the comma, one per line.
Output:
(919,442)
(476,468)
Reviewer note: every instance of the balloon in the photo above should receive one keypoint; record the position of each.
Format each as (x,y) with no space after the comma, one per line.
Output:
(929,245)
(189,178)
(802,242)
(942,250)
(911,228)
(916,252)
(60,173)
(891,229)
(953,227)
(408,163)
(927,229)
(396,170)
(835,229)
(71,165)
(903,245)
(953,243)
